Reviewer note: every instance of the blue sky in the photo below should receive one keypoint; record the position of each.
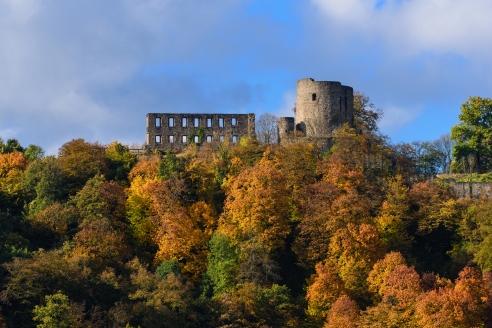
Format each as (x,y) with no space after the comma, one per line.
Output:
(93,69)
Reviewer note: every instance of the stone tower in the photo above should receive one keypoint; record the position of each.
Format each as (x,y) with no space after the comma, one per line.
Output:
(321,107)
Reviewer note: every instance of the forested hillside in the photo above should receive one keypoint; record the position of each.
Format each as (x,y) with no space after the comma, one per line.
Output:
(243,235)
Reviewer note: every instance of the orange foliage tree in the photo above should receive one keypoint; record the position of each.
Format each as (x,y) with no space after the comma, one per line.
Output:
(181,231)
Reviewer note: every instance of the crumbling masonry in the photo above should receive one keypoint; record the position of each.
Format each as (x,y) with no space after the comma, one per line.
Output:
(321,108)
(173,131)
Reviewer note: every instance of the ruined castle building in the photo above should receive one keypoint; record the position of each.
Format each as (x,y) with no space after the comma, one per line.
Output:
(173,131)
(321,108)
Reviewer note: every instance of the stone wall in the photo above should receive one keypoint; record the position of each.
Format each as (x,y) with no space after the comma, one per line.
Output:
(475,189)
(171,130)
(285,126)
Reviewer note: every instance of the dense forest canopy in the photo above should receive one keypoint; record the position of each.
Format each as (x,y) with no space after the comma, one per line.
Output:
(251,234)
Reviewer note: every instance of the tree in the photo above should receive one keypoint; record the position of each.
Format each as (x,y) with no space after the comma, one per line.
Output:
(10,146)
(170,165)
(354,250)
(366,114)
(120,161)
(461,306)
(181,232)
(222,264)
(394,218)
(43,180)
(12,167)
(444,146)
(326,288)
(80,161)
(344,313)
(257,207)
(426,158)
(33,152)
(266,129)
(473,135)
(377,279)
(164,301)
(255,306)
(58,312)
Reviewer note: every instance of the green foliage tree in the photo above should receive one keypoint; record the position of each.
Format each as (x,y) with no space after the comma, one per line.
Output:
(170,165)
(222,265)
(167,267)
(34,152)
(10,146)
(120,161)
(44,180)
(473,135)
(57,313)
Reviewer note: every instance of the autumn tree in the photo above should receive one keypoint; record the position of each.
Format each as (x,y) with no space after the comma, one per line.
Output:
(344,313)
(461,306)
(256,208)
(378,276)
(354,250)
(394,218)
(12,167)
(401,288)
(366,114)
(181,232)
(59,312)
(80,161)
(325,290)
(138,207)
(435,218)
(350,192)
(473,134)
(159,299)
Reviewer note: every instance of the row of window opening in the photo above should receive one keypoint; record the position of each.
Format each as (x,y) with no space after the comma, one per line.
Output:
(196,139)
(196,122)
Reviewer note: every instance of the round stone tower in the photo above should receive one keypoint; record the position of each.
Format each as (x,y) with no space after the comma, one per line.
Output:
(322,107)
(285,126)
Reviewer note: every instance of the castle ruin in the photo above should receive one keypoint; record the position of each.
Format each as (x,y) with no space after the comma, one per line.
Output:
(321,108)
(175,131)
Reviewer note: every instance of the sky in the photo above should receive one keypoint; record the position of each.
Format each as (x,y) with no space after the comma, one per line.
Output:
(93,69)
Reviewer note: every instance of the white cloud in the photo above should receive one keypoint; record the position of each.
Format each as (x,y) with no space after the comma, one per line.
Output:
(289,102)
(70,69)
(410,27)
(395,118)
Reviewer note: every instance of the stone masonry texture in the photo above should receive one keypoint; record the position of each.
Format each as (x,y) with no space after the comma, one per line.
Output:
(322,107)
(172,130)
